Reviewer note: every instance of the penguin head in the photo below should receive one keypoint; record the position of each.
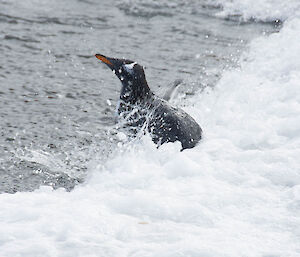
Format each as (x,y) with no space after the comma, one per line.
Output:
(134,85)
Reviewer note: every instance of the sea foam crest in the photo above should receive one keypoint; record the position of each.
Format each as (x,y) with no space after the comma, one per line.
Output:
(263,10)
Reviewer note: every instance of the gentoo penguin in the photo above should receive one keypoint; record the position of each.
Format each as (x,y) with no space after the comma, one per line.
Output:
(141,109)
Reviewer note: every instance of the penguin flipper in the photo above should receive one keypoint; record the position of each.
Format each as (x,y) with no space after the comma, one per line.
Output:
(169,94)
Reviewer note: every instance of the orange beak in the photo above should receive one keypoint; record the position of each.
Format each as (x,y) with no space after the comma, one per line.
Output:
(103,59)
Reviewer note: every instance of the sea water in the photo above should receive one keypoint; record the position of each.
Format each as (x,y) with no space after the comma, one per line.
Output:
(237,193)
(57,101)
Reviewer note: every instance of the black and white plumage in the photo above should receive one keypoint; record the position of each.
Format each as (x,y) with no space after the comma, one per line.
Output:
(141,109)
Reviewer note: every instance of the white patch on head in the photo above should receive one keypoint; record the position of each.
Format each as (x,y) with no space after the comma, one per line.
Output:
(129,67)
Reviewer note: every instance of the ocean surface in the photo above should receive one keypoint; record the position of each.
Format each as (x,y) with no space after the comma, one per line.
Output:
(57,101)
(72,185)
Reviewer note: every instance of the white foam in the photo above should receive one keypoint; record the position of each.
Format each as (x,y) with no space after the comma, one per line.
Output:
(264,10)
(236,194)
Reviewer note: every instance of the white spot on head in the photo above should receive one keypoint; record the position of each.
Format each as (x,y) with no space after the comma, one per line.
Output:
(129,67)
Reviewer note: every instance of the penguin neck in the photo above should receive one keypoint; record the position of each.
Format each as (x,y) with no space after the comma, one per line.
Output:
(135,93)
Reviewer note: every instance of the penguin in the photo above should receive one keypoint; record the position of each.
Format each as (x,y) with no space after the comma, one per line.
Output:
(140,109)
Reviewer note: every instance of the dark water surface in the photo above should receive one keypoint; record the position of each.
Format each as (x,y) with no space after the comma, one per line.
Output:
(55,111)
